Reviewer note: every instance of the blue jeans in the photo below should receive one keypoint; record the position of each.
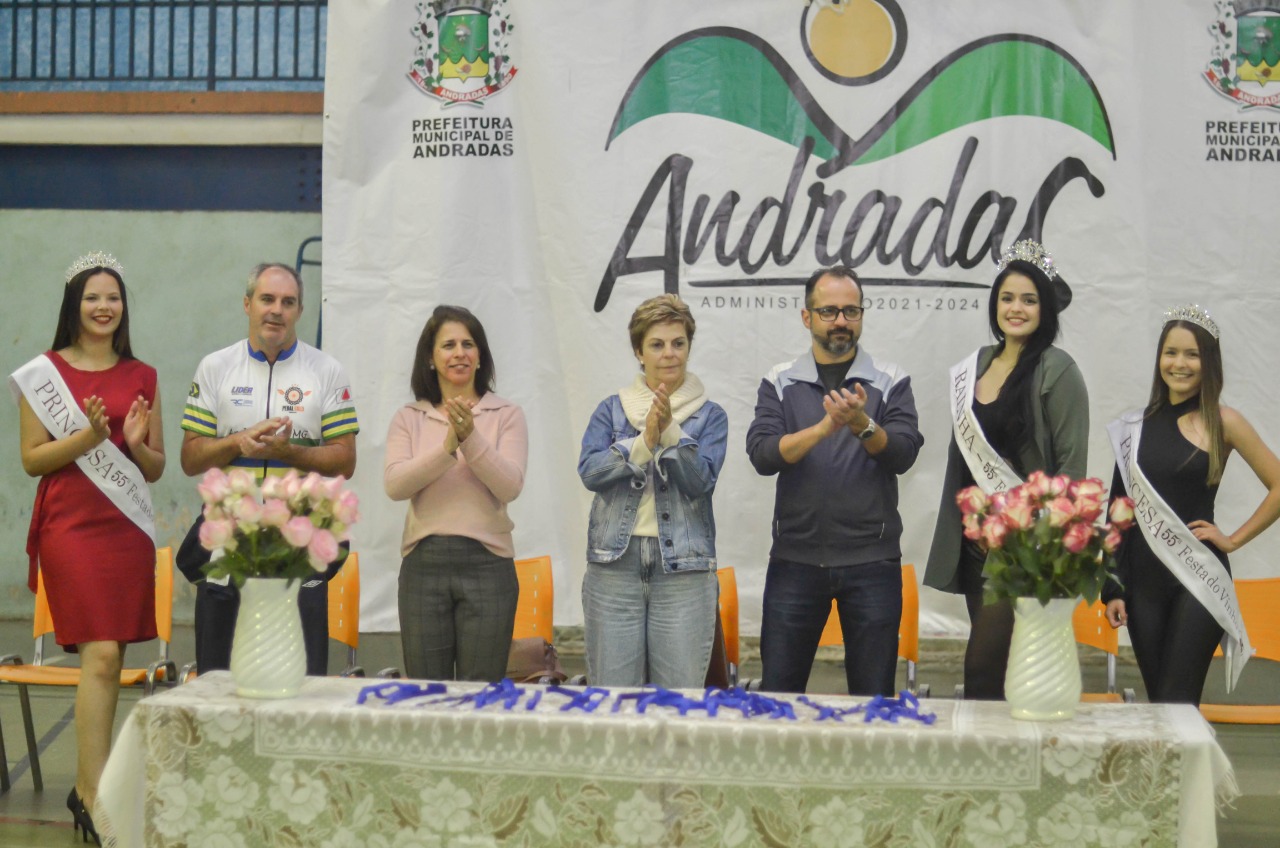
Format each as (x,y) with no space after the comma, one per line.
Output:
(797,602)
(639,617)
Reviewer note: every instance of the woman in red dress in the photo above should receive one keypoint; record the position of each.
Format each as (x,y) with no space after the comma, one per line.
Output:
(97,559)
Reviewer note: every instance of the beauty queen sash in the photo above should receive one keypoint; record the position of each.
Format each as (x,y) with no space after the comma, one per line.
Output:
(989,469)
(111,471)
(1186,557)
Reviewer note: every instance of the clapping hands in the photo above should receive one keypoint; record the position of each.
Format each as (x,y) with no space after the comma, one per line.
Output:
(266,439)
(137,423)
(462,422)
(96,408)
(659,417)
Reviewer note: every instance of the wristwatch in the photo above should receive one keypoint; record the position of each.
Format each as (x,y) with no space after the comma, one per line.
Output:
(870,430)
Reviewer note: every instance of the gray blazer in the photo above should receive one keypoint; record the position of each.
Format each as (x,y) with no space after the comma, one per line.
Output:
(1059,445)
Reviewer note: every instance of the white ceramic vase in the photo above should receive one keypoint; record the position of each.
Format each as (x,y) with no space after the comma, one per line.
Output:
(268,659)
(1043,679)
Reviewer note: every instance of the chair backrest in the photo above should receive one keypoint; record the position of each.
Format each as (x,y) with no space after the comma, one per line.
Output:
(164,595)
(537,601)
(1260,609)
(729,612)
(908,625)
(42,623)
(344,603)
(1092,629)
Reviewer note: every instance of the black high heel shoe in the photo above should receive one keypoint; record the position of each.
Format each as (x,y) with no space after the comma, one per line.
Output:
(80,818)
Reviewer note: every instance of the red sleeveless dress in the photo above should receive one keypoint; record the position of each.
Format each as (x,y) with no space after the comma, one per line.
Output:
(99,567)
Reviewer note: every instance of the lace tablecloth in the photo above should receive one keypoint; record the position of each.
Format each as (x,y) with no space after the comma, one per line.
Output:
(198,767)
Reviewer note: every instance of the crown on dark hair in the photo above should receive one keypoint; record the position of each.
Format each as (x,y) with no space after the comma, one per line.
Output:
(1028,251)
(97,259)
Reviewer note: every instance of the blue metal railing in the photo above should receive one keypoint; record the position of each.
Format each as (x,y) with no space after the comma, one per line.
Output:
(162,45)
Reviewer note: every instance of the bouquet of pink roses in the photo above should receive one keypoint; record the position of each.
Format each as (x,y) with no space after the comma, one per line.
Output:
(1044,537)
(289,528)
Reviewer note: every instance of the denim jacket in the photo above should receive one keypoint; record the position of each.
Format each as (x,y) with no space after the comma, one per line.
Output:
(683,476)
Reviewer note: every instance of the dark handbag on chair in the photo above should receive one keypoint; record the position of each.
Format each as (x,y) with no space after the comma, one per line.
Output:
(534,660)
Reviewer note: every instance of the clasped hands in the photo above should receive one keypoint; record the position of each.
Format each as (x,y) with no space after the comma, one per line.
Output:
(659,417)
(462,422)
(845,408)
(267,439)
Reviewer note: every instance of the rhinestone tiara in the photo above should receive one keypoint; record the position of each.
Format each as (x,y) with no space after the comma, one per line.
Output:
(97,259)
(1028,251)
(1192,313)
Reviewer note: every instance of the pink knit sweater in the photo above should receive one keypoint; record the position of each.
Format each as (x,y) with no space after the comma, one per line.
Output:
(462,495)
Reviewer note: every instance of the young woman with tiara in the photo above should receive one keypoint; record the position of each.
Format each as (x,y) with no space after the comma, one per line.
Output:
(1016,407)
(90,430)
(1175,593)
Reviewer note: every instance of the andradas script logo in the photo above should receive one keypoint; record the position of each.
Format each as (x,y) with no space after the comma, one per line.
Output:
(736,76)
(1246,52)
(463,50)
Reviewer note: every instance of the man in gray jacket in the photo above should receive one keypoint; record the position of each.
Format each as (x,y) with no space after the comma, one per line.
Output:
(837,428)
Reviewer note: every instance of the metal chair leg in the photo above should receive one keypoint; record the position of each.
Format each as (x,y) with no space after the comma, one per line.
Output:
(33,751)
(4,764)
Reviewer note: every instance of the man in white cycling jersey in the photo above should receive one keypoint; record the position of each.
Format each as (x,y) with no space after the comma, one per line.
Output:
(268,404)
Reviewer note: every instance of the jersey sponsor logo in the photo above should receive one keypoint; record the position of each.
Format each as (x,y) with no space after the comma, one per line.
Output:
(293,397)
(346,393)
(195,390)
(242,390)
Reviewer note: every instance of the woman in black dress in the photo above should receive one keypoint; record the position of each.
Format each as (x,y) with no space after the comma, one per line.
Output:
(1030,401)
(1186,437)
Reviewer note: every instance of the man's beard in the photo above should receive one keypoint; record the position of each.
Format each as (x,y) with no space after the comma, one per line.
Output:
(837,342)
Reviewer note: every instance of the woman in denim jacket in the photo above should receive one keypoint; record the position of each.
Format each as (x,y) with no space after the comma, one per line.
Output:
(652,453)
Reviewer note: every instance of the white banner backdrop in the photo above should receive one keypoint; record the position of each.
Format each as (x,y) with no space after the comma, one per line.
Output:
(550,165)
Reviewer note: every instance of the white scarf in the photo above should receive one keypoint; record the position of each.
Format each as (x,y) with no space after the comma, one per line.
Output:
(637,398)
(1186,557)
(106,466)
(988,467)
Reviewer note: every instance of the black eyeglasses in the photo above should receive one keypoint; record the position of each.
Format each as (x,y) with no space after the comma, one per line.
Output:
(829,313)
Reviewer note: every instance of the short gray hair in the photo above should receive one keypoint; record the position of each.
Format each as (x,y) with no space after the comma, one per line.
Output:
(262,267)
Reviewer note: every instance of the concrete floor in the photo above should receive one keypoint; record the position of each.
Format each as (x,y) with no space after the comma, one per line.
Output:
(30,819)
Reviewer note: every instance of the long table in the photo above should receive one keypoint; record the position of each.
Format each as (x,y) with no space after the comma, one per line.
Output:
(197,765)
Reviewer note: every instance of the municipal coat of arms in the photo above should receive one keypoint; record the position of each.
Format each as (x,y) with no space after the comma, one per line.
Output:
(463,50)
(1246,52)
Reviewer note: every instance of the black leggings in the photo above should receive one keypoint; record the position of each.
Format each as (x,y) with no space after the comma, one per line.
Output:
(1173,636)
(990,630)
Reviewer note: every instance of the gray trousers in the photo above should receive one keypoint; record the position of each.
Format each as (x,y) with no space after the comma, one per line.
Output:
(457,610)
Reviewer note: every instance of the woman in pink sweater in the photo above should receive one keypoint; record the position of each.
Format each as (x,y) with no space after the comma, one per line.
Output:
(458,455)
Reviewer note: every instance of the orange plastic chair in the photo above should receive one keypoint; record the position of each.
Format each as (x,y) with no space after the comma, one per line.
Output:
(14,672)
(537,599)
(1091,628)
(729,619)
(1260,609)
(908,628)
(344,611)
